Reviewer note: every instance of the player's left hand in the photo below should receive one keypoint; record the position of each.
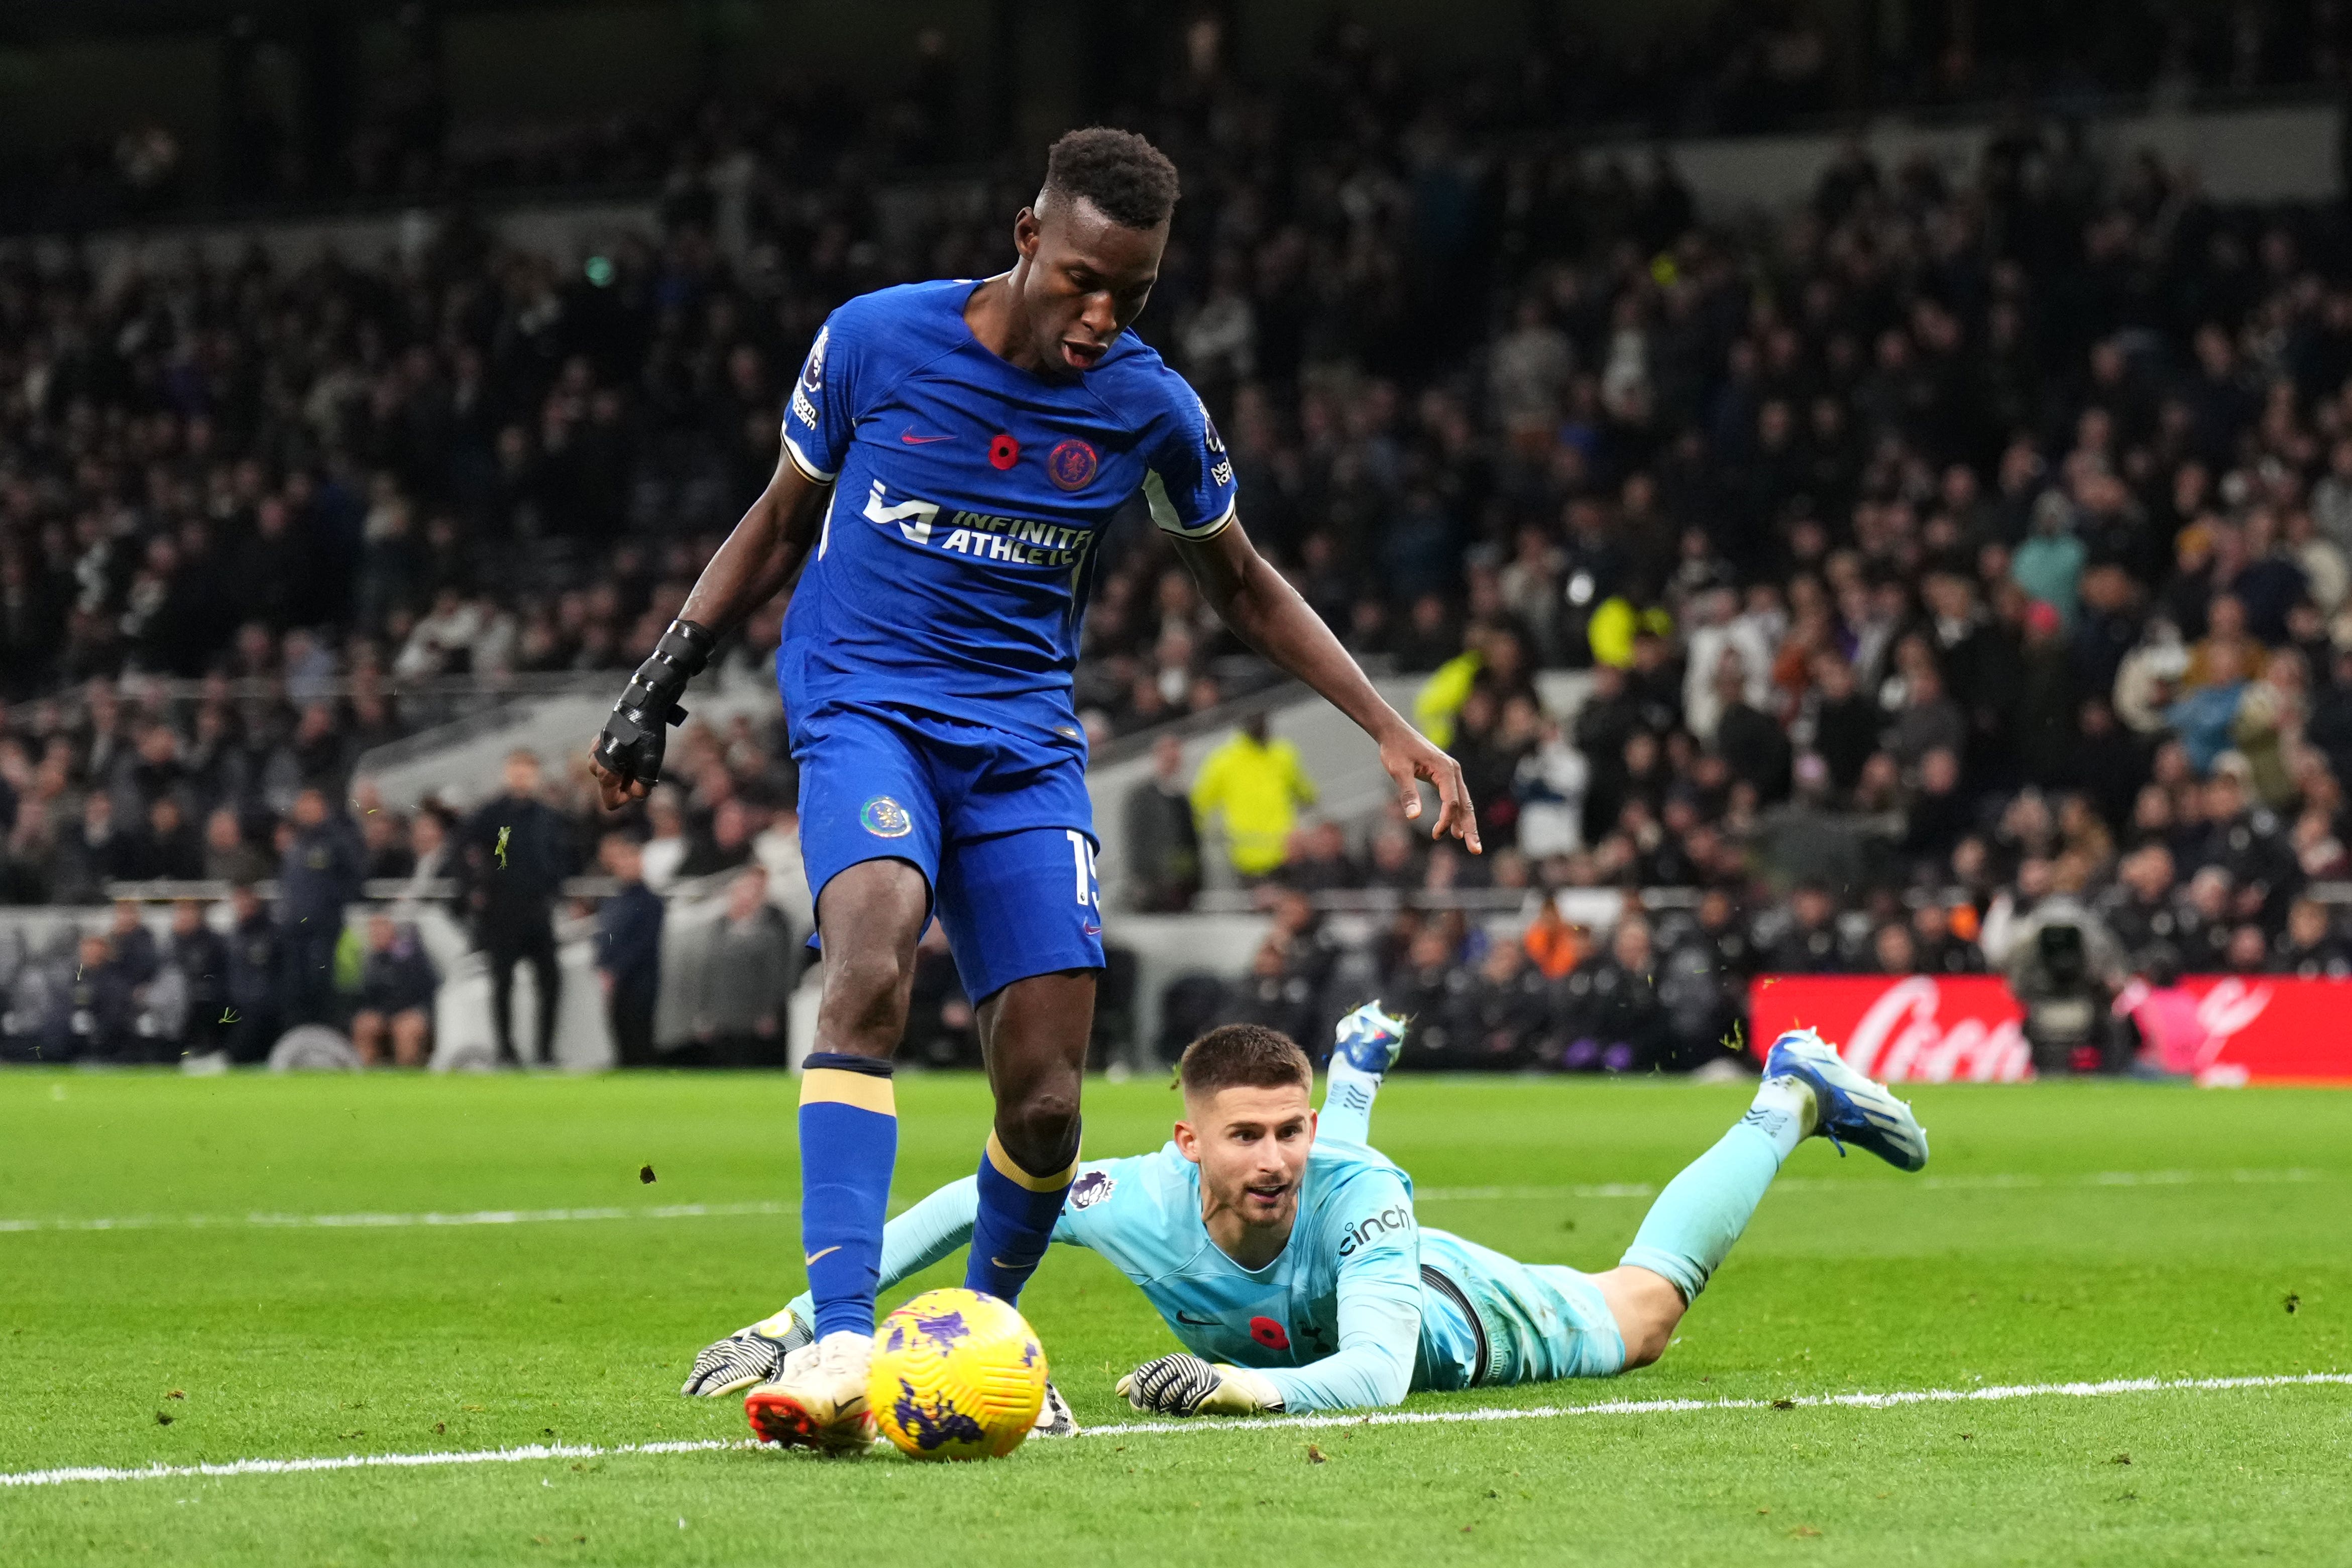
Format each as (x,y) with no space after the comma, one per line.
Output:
(1411,756)
(1184,1385)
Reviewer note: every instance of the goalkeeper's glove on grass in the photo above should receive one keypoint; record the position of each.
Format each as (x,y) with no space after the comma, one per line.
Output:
(748,1355)
(1184,1385)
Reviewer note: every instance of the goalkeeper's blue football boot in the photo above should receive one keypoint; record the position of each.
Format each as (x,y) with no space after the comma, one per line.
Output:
(1369,1039)
(1853,1108)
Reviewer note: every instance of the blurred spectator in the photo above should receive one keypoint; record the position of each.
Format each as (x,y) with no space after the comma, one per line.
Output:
(1163,843)
(170,848)
(665,850)
(2311,947)
(1252,787)
(628,950)
(1810,943)
(132,945)
(2166,1035)
(726,846)
(397,983)
(940,1029)
(1276,992)
(320,874)
(229,856)
(737,1003)
(256,969)
(103,1003)
(433,851)
(1507,1016)
(199,956)
(518,851)
(1614,1019)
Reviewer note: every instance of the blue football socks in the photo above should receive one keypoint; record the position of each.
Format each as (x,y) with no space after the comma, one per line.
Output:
(849,1140)
(1015,1223)
(1702,1212)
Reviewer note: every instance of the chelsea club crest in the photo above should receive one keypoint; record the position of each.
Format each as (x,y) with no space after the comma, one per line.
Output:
(1071,466)
(886,818)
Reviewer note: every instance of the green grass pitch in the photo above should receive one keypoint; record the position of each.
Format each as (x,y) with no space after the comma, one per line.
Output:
(2064,1233)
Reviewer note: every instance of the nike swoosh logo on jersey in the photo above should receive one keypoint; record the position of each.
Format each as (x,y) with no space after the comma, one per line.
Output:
(909,437)
(809,1261)
(999,1263)
(1183,1317)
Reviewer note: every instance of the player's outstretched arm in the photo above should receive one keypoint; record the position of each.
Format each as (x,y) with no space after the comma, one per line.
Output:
(1267,613)
(759,557)
(1372,1231)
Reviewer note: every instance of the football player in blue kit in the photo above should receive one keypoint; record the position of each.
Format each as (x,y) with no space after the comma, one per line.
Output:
(952,453)
(1284,1252)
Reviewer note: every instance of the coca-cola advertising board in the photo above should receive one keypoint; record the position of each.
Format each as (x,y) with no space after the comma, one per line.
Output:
(1967,1028)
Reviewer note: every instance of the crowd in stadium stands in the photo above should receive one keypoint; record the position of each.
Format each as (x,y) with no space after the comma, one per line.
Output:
(1960,549)
(1740,69)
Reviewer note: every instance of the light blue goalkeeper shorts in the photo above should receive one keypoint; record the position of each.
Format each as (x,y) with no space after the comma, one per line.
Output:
(1534,1323)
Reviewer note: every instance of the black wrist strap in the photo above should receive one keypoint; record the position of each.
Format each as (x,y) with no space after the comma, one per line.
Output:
(688,646)
(650,699)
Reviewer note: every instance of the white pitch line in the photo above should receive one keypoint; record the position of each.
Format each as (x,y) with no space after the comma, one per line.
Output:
(532,1451)
(1800,1402)
(519,1455)
(397,1221)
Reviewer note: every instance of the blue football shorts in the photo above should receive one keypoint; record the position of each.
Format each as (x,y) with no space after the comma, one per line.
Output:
(1000,825)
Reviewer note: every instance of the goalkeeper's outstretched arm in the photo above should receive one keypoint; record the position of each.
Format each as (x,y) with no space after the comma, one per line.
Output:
(1380,1317)
(1379,1305)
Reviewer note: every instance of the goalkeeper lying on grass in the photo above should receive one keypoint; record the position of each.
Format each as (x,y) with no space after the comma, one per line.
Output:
(1284,1253)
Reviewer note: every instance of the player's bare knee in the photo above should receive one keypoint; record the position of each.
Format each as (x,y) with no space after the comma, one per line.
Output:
(1039,1123)
(865,1000)
(1647,1308)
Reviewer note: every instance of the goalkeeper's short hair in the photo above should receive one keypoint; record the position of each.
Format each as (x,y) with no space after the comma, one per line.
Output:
(1250,1056)
(1129,179)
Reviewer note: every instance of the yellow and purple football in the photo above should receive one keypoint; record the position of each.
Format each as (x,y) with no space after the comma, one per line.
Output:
(957,1376)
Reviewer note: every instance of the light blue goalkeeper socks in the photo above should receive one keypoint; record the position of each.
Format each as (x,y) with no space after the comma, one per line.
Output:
(849,1140)
(1018,1209)
(1348,1095)
(1702,1212)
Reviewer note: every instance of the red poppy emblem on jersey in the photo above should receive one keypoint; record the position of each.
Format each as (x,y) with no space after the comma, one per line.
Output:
(1071,466)
(1004,451)
(1269,1333)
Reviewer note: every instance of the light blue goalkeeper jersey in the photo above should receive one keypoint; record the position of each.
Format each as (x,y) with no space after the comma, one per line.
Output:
(1362,1306)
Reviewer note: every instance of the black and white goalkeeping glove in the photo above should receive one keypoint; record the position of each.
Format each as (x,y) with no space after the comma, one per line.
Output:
(1184,1385)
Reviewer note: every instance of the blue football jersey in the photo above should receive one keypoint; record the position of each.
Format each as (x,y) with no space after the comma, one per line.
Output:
(969,501)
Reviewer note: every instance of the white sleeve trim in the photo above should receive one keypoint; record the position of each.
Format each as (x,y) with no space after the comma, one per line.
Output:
(1163,511)
(799,460)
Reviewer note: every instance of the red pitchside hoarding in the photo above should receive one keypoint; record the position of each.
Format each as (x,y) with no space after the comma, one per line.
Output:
(2259,1028)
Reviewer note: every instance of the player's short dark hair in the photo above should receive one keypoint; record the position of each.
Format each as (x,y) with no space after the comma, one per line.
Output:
(1243,1056)
(1129,179)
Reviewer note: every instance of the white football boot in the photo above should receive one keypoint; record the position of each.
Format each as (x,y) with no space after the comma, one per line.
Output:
(817,1399)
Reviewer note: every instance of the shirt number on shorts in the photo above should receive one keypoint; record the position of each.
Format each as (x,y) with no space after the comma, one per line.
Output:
(1082,868)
